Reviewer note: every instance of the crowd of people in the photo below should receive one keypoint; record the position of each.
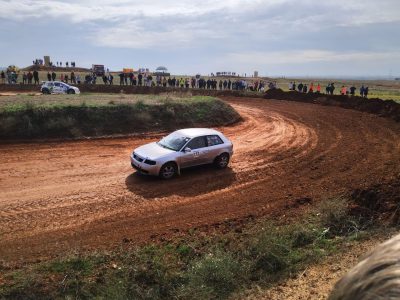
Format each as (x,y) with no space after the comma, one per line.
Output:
(147,79)
(329,89)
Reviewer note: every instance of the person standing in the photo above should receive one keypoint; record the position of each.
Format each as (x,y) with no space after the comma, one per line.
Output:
(48,76)
(36,77)
(343,90)
(53,76)
(3,77)
(30,76)
(73,78)
(121,78)
(319,88)
(366,90)
(62,77)
(78,79)
(110,79)
(362,89)
(140,79)
(24,78)
(352,90)
(311,88)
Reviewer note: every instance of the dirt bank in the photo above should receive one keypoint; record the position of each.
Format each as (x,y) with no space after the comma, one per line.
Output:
(384,108)
(83,195)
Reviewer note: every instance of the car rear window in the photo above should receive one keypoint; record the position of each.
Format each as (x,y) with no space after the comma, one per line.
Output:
(213,140)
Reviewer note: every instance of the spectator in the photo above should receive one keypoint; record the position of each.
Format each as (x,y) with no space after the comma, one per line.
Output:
(300,87)
(48,76)
(140,79)
(366,90)
(110,79)
(311,88)
(121,78)
(105,79)
(36,76)
(343,91)
(78,79)
(352,90)
(66,78)
(332,88)
(53,76)
(62,77)
(305,88)
(24,78)
(3,77)
(318,88)
(73,78)
(30,76)
(362,89)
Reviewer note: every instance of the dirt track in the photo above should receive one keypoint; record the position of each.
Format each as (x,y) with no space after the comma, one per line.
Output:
(57,197)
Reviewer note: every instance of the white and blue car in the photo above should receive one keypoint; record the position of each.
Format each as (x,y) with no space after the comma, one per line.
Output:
(58,87)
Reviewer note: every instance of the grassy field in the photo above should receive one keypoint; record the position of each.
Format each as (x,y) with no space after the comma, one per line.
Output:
(196,266)
(72,116)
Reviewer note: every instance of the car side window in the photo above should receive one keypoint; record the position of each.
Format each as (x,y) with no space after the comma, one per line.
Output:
(197,143)
(213,140)
(56,84)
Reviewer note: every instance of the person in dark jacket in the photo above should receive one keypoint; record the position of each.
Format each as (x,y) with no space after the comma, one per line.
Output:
(48,76)
(36,77)
(121,78)
(53,76)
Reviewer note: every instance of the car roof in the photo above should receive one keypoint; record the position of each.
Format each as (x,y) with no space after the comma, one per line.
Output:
(54,82)
(193,132)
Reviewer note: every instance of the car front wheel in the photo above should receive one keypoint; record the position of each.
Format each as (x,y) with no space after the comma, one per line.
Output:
(222,161)
(71,91)
(168,171)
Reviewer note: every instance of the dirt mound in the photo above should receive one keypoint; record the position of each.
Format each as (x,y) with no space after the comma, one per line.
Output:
(380,201)
(55,69)
(384,108)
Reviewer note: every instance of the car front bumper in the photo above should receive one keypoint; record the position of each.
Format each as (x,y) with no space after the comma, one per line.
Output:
(143,168)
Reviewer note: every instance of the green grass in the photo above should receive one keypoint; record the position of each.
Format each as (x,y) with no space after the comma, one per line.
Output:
(64,116)
(194,266)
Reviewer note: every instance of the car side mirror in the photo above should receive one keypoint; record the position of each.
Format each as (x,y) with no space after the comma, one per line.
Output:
(187,150)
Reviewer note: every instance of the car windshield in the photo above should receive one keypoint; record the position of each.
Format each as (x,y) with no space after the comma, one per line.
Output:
(174,141)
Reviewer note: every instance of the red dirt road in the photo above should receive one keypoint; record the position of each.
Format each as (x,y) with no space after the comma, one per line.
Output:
(83,195)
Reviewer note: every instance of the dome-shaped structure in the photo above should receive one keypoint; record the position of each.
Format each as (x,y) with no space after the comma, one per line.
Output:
(161,69)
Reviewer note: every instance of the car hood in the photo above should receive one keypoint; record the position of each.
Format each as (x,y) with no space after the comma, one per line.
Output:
(152,151)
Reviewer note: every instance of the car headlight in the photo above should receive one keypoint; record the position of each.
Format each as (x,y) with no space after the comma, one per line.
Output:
(150,162)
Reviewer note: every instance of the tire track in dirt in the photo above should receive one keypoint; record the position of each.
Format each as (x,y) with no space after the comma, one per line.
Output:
(61,196)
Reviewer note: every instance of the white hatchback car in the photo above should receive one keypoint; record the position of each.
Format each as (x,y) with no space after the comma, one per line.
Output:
(58,87)
(182,149)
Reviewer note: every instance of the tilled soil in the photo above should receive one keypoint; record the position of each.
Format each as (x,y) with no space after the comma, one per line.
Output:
(83,195)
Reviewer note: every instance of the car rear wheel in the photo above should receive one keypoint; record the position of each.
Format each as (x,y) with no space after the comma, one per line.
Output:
(222,161)
(168,171)
(46,91)
(71,91)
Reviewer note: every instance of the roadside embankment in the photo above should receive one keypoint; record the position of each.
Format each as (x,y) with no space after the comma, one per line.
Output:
(71,119)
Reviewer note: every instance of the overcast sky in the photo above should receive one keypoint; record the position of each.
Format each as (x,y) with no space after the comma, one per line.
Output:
(275,37)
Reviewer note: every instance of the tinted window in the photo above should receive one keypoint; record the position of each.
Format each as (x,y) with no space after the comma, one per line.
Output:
(213,140)
(196,143)
(56,84)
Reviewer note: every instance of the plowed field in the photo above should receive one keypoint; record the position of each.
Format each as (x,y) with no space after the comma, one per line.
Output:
(59,196)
